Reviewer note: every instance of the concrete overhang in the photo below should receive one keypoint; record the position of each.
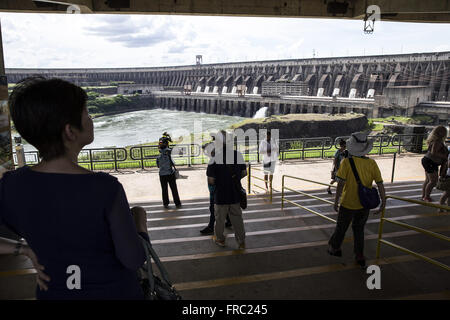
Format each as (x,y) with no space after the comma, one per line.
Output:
(390,10)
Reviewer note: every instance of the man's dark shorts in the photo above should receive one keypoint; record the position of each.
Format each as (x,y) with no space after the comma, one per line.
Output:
(429,165)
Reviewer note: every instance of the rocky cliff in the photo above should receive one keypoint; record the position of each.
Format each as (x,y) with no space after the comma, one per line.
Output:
(308,125)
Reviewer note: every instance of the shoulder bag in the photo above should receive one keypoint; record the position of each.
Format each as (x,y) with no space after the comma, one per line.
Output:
(155,288)
(368,197)
(443,184)
(239,189)
(177,173)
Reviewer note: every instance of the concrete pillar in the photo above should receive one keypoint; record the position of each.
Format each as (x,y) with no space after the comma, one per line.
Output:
(270,110)
(293,108)
(277,108)
(329,109)
(249,109)
(219,106)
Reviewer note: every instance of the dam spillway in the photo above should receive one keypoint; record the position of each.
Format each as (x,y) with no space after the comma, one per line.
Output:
(377,86)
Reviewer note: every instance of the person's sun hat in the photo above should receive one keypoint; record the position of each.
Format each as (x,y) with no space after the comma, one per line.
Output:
(359,145)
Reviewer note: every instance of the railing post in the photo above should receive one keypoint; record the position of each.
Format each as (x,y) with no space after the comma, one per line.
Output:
(381,145)
(257,148)
(393,168)
(90,160)
(303,150)
(142,157)
(189,155)
(115,159)
(323,147)
(282,192)
(380,233)
(249,178)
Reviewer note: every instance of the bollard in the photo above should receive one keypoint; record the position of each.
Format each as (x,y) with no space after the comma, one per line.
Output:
(20,153)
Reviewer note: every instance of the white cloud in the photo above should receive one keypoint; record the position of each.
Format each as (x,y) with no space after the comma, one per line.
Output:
(65,41)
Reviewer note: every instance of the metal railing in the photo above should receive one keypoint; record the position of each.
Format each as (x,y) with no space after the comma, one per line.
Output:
(306,146)
(103,157)
(190,154)
(407,226)
(250,170)
(283,198)
(416,142)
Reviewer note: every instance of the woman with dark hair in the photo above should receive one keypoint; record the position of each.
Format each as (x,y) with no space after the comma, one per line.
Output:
(436,156)
(167,172)
(77,222)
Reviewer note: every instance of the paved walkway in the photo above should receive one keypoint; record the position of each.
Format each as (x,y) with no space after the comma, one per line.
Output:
(146,187)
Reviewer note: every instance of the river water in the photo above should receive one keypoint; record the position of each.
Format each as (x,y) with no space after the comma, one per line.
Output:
(144,126)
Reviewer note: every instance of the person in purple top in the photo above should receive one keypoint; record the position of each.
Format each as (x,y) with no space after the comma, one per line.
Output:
(76,223)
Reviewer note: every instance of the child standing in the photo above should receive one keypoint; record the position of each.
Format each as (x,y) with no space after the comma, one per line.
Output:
(340,154)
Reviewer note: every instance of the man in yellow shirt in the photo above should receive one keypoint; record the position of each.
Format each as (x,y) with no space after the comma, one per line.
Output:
(349,208)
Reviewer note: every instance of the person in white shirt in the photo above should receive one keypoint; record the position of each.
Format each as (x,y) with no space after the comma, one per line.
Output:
(269,149)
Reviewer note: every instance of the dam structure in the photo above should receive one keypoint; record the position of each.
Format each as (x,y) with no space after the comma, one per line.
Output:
(377,86)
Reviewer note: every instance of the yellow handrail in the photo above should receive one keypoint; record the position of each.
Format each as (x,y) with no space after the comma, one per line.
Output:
(250,176)
(407,226)
(283,187)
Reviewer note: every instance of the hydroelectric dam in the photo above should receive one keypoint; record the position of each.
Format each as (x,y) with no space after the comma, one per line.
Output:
(377,86)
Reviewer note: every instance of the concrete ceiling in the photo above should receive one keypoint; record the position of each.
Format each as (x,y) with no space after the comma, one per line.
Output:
(393,10)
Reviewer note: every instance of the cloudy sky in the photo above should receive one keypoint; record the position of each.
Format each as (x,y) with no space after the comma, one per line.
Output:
(77,41)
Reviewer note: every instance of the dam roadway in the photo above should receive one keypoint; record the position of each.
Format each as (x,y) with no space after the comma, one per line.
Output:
(247,105)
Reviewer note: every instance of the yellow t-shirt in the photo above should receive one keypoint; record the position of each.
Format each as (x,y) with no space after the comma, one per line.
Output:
(368,172)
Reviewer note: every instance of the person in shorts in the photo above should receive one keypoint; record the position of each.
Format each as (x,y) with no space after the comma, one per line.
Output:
(436,156)
(349,207)
(269,149)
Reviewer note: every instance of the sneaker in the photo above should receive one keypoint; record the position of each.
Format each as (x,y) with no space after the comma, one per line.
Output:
(220,243)
(334,252)
(207,231)
(241,246)
(178,206)
(228,225)
(361,260)
(427,199)
(166,206)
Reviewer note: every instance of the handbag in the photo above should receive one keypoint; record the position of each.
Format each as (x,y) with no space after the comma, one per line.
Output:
(156,288)
(443,183)
(176,172)
(368,197)
(241,191)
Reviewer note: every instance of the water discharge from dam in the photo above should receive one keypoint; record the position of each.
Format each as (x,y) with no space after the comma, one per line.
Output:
(261,113)
(145,126)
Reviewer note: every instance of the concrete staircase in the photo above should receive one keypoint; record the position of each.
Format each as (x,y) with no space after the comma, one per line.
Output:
(286,254)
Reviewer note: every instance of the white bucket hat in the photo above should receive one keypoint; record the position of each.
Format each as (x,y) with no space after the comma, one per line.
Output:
(358,144)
